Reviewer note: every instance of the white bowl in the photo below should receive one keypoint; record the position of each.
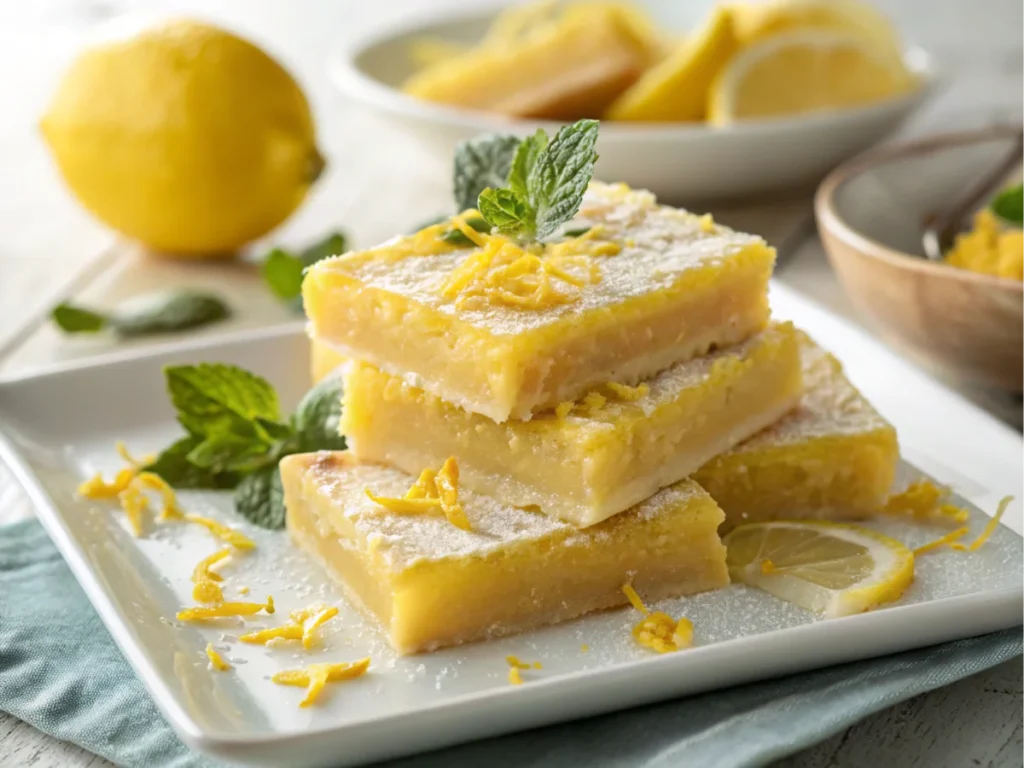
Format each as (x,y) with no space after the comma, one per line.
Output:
(680,163)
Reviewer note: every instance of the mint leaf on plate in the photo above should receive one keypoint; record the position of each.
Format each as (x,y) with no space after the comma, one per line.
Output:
(212,398)
(481,162)
(259,498)
(318,416)
(71,319)
(560,175)
(226,452)
(332,245)
(508,211)
(173,466)
(147,314)
(282,272)
(1008,205)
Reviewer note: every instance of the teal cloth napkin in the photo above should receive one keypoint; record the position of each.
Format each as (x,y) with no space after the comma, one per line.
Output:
(61,672)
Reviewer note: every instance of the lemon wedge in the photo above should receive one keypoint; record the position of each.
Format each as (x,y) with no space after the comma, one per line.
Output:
(805,71)
(756,21)
(675,90)
(828,568)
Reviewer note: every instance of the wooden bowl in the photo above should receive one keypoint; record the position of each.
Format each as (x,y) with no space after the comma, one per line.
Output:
(871,213)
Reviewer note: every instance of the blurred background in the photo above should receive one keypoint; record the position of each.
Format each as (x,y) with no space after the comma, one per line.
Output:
(378,180)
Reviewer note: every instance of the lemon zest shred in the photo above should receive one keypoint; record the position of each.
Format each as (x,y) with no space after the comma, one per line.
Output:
(431,493)
(316,676)
(514,677)
(314,622)
(658,631)
(990,528)
(263,636)
(477,238)
(216,660)
(243,590)
(134,503)
(405,506)
(584,648)
(153,482)
(514,661)
(131,461)
(447,482)
(768,567)
(202,570)
(225,533)
(942,541)
(634,598)
(221,610)
(707,223)
(96,488)
(922,501)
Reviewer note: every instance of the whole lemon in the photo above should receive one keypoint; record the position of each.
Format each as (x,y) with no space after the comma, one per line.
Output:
(185,137)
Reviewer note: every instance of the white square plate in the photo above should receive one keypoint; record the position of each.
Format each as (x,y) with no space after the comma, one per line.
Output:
(60,426)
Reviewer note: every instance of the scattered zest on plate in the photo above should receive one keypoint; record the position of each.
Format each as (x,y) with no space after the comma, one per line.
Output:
(303,626)
(517,667)
(659,631)
(314,677)
(924,502)
(829,568)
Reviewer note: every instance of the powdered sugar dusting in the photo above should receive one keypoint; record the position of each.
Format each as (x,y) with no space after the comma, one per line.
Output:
(660,245)
(831,405)
(403,540)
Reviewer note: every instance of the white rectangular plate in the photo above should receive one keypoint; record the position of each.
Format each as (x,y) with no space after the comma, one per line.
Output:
(60,426)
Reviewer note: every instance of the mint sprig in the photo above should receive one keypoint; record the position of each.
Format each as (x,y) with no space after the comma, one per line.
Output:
(144,315)
(546,183)
(481,162)
(1008,205)
(236,435)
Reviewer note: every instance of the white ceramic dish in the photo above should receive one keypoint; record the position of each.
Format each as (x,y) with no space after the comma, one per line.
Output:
(58,427)
(679,163)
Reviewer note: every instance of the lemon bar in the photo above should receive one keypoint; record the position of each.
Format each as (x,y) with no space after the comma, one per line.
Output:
(832,457)
(561,68)
(507,332)
(589,460)
(431,584)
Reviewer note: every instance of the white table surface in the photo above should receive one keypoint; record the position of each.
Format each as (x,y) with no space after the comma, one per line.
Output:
(51,249)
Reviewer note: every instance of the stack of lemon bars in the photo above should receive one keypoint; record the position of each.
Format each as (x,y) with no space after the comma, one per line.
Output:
(532,428)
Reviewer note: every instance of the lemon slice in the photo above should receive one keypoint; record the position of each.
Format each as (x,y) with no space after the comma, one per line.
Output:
(676,89)
(756,21)
(829,568)
(805,71)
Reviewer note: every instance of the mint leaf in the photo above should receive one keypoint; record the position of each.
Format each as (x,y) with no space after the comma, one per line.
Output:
(167,312)
(223,452)
(71,319)
(524,162)
(560,176)
(282,272)
(332,245)
(212,398)
(577,232)
(153,313)
(507,211)
(273,430)
(174,467)
(259,498)
(318,416)
(482,162)
(1008,205)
